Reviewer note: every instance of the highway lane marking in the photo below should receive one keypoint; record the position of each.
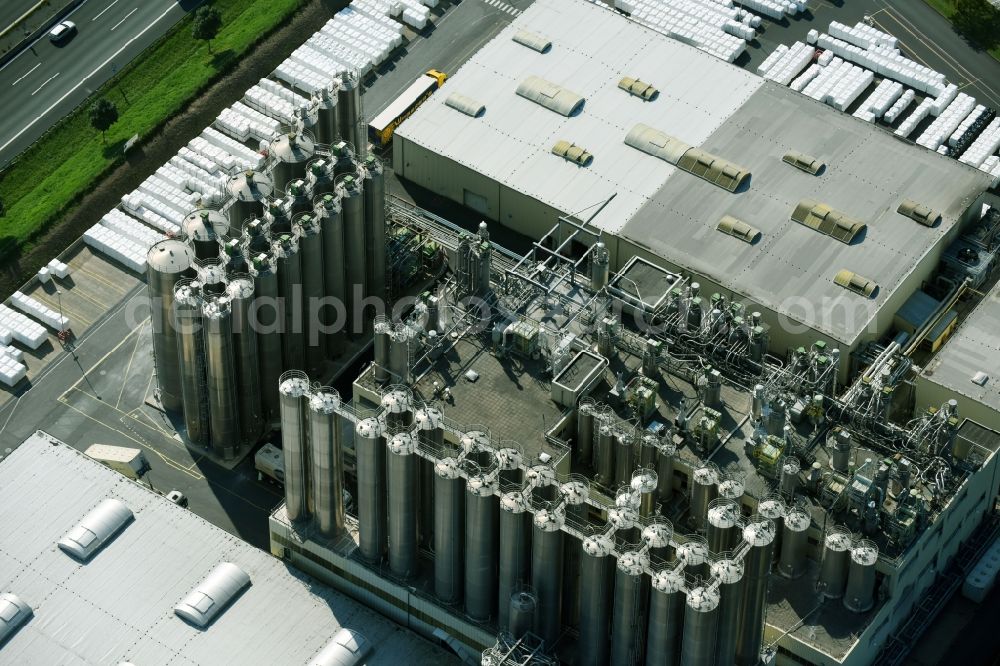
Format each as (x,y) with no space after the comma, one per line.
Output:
(44,36)
(26,74)
(123,20)
(128,368)
(104,10)
(84,79)
(44,84)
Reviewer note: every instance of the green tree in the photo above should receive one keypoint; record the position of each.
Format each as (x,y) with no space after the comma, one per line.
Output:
(979,21)
(103,114)
(207,23)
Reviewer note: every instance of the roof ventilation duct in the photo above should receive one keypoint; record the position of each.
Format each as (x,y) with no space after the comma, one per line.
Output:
(638,88)
(806,163)
(347,648)
(532,40)
(466,105)
(853,282)
(656,143)
(714,169)
(738,229)
(572,153)
(97,528)
(13,613)
(922,214)
(828,221)
(551,96)
(212,595)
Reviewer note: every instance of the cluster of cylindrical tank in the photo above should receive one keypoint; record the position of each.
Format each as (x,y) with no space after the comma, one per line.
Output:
(310,233)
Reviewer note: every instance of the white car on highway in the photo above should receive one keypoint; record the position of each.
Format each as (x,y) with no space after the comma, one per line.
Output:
(62,31)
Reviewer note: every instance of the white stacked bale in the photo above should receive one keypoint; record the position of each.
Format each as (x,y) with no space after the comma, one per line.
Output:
(812,71)
(937,132)
(911,121)
(38,310)
(984,146)
(22,329)
(899,106)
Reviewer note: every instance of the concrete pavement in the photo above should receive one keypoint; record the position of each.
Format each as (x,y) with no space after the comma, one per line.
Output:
(46,81)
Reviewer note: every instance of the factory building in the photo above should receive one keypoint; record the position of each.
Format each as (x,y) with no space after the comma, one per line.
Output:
(112,573)
(757,192)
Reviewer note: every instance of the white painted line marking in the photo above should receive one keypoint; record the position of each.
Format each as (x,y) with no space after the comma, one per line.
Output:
(46,81)
(126,16)
(26,73)
(97,69)
(104,10)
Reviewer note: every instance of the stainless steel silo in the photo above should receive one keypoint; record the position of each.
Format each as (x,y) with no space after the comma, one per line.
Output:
(320,177)
(482,510)
(397,408)
(191,357)
(515,550)
(293,388)
(349,121)
(255,238)
(403,498)
(522,607)
(279,220)
(665,456)
(326,121)
(298,197)
(204,228)
(574,494)
(248,394)
(604,454)
(167,262)
(836,557)
(704,489)
(288,266)
(355,246)
(220,373)
(369,448)
(644,484)
(729,574)
(794,541)
(658,536)
(211,274)
(773,507)
(291,152)
(628,624)
(649,445)
(449,531)
(248,191)
(575,491)
(327,469)
(723,530)
(758,536)
(666,618)
(694,556)
(400,345)
(375,240)
(381,343)
(337,317)
(231,251)
(267,321)
(597,567)
(859,596)
(732,487)
(585,430)
(626,458)
(789,476)
(311,251)
(701,627)
(546,573)
(430,438)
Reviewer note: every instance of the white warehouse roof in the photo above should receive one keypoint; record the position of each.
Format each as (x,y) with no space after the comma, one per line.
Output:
(119,606)
(714,111)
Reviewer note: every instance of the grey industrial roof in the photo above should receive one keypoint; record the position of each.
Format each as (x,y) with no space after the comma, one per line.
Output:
(725,111)
(119,606)
(592,49)
(973,348)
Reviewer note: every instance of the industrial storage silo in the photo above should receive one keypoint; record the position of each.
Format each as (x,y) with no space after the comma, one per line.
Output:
(604,453)
(248,191)
(268,325)
(732,486)
(758,536)
(449,531)
(375,240)
(220,372)
(191,359)
(836,556)
(231,251)
(204,228)
(320,177)
(584,441)
(211,275)
(657,536)
(666,617)
(294,390)
(290,152)
(349,122)
(665,456)
(400,345)
(482,510)
(628,624)
(701,627)
(574,492)
(547,573)
(521,608)
(288,266)
(325,128)
(597,567)
(773,507)
(704,489)
(729,575)
(403,497)
(167,262)
(327,461)
(794,541)
(397,408)
(255,238)
(430,437)
(859,597)
(356,261)
(277,217)
(369,449)
(331,222)
(298,198)
(248,393)
(643,485)
(510,460)
(311,251)
(515,550)
(723,531)
(694,555)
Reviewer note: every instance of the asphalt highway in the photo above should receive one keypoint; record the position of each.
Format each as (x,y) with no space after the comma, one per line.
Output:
(11,10)
(46,81)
